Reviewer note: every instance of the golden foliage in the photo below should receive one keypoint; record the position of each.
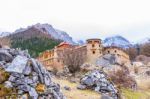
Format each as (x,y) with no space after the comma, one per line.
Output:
(40,87)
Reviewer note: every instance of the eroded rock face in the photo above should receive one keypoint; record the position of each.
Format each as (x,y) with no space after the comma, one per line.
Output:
(97,80)
(26,74)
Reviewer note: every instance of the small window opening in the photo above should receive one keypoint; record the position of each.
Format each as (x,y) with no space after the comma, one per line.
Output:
(93,45)
(93,52)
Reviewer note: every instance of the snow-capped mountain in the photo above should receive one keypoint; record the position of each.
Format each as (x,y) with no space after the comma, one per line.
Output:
(2,34)
(145,40)
(80,42)
(118,41)
(48,29)
(20,30)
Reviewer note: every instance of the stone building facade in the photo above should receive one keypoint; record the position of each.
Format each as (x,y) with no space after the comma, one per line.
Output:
(50,58)
(119,52)
(93,49)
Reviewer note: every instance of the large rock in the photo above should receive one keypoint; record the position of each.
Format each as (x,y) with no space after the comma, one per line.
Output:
(109,59)
(97,80)
(106,60)
(5,56)
(18,64)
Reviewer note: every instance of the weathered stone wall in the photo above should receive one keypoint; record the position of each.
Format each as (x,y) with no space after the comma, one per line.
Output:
(122,55)
(50,59)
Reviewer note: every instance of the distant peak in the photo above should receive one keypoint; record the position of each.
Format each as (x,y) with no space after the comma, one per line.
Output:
(42,25)
(117,40)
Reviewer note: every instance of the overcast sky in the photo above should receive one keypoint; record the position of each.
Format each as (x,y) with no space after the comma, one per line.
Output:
(80,18)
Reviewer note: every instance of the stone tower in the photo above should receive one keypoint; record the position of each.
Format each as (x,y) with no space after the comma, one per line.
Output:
(94,50)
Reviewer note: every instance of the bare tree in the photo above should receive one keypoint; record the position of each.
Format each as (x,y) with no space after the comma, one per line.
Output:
(145,49)
(73,58)
(132,53)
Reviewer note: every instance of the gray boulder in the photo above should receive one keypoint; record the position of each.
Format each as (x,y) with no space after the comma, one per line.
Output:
(82,87)
(106,60)
(67,88)
(5,56)
(97,80)
(18,64)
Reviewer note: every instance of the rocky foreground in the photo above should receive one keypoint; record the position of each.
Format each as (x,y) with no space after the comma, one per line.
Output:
(26,77)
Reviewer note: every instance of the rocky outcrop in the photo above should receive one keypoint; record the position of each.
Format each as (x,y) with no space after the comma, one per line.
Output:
(106,60)
(97,80)
(27,76)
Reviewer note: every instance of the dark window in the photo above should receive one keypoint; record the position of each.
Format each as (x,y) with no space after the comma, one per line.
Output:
(115,51)
(93,52)
(93,45)
(108,51)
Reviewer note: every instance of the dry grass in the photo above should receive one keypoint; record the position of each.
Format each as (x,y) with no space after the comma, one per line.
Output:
(143,83)
(143,91)
(139,94)
(74,93)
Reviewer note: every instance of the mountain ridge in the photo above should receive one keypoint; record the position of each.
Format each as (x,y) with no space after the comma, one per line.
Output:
(45,28)
(113,40)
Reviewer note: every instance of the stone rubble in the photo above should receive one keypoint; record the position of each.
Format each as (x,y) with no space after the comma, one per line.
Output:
(28,76)
(97,80)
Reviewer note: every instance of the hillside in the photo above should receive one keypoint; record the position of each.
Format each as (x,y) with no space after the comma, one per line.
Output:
(32,39)
(44,28)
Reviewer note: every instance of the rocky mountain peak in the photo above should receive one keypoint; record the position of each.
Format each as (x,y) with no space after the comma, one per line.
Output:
(117,40)
(47,29)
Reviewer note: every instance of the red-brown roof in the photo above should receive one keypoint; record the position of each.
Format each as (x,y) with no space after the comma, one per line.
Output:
(63,43)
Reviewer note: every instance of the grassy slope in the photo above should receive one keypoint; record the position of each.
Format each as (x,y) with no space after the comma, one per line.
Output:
(139,94)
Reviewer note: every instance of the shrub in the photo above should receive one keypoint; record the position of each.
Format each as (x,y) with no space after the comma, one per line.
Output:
(6,92)
(123,79)
(3,75)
